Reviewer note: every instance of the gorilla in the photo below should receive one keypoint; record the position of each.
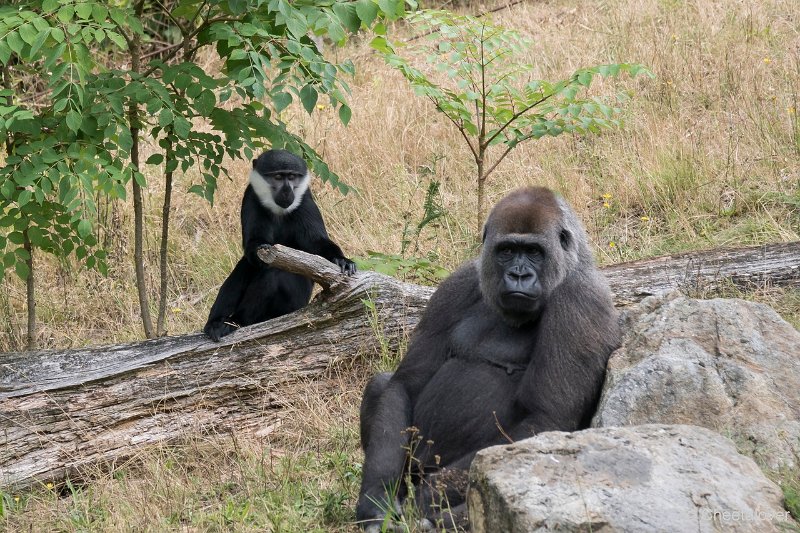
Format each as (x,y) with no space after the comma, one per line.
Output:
(277,208)
(512,344)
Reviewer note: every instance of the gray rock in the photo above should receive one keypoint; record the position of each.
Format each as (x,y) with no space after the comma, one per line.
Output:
(642,479)
(725,364)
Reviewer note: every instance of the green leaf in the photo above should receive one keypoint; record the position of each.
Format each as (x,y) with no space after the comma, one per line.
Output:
(348,16)
(155,159)
(84,228)
(24,197)
(22,270)
(57,34)
(165,117)
(381,45)
(74,120)
(39,42)
(344,114)
(367,11)
(15,42)
(84,11)
(585,78)
(99,13)
(182,127)
(237,7)
(308,96)
(65,13)
(393,9)
(5,53)
(140,179)
(117,39)
(281,100)
(205,103)
(28,33)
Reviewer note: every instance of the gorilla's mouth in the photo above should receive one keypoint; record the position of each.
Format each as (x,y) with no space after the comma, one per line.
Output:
(521,294)
(520,302)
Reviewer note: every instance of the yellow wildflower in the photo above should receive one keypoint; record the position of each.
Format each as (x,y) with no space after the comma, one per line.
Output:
(644,219)
(767,60)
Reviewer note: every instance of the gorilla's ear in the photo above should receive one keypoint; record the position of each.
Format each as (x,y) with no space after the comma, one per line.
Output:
(254,163)
(483,237)
(566,239)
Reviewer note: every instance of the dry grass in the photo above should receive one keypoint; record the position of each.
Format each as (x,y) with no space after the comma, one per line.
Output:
(709,156)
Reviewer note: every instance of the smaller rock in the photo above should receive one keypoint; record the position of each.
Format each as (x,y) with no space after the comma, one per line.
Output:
(643,478)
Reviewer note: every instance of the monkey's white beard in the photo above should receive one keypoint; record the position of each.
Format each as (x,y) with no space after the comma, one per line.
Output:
(264,193)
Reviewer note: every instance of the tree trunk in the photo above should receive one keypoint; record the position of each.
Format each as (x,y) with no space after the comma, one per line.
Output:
(62,412)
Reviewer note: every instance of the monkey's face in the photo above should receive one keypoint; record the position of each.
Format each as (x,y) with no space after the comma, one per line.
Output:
(284,187)
(279,179)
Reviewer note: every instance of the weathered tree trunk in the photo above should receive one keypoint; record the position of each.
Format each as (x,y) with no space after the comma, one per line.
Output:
(699,273)
(61,412)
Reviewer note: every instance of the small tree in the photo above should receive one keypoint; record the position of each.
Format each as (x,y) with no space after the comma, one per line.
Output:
(473,76)
(87,82)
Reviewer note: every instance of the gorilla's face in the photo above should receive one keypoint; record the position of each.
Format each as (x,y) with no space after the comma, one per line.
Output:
(511,276)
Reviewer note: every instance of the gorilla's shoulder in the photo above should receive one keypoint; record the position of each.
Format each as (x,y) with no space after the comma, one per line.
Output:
(458,290)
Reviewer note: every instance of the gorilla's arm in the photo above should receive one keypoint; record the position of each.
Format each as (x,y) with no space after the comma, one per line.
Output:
(578,331)
(387,448)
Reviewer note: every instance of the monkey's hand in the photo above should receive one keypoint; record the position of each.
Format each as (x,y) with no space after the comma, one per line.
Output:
(216,329)
(347,266)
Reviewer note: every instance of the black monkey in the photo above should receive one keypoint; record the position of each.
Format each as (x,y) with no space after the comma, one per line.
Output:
(277,208)
(511,344)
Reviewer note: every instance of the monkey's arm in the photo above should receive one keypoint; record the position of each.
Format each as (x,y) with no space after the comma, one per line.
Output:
(318,241)
(230,294)
(257,228)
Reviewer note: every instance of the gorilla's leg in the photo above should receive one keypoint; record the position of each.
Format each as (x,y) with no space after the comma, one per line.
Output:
(441,495)
(369,403)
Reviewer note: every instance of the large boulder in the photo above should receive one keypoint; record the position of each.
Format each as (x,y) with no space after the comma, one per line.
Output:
(725,364)
(644,478)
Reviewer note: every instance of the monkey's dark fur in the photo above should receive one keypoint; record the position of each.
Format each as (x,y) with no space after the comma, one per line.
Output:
(512,344)
(277,208)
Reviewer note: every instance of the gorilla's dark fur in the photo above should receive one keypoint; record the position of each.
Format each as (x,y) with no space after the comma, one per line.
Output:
(511,344)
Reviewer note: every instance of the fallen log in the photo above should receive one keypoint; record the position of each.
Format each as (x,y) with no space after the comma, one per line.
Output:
(700,273)
(62,412)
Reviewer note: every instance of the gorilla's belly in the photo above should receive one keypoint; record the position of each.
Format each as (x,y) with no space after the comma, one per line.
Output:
(465,406)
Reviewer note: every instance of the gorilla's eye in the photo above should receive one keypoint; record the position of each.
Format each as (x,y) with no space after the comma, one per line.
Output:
(566,239)
(505,251)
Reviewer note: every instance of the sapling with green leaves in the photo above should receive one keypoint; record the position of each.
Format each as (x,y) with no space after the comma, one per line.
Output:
(472,71)
(88,84)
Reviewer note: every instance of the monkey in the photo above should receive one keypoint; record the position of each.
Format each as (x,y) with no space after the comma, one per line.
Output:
(277,208)
(513,343)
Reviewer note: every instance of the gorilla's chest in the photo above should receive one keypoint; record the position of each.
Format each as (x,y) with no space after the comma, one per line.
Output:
(494,342)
